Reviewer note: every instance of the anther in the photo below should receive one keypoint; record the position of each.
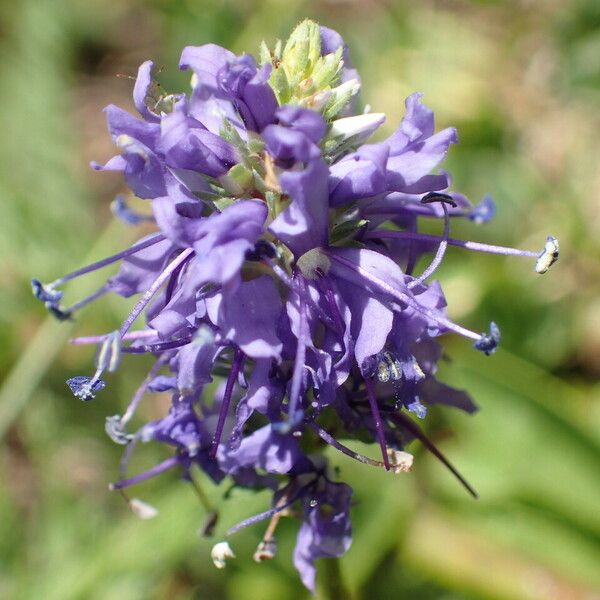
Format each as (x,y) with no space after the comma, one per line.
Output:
(142,510)
(400,461)
(124,213)
(262,250)
(85,388)
(417,408)
(548,256)
(488,342)
(46,293)
(438,197)
(266,550)
(115,431)
(220,553)
(484,211)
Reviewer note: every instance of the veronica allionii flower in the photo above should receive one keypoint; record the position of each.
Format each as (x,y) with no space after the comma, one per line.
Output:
(283,260)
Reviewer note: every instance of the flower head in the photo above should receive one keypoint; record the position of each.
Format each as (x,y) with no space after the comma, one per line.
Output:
(283,263)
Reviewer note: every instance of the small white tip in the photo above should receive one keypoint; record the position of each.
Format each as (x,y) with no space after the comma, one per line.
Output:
(400,461)
(220,553)
(548,256)
(142,510)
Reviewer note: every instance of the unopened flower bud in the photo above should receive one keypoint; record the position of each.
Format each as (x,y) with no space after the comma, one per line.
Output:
(360,126)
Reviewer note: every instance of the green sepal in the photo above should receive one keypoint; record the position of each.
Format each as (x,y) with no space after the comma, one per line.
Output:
(224,202)
(238,181)
(346,229)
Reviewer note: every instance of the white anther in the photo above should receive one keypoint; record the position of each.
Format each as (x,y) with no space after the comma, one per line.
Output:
(142,510)
(548,256)
(400,461)
(220,553)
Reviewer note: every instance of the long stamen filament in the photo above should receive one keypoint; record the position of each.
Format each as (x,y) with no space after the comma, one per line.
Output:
(415,430)
(139,394)
(300,360)
(159,237)
(439,255)
(300,291)
(97,339)
(146,348)
(238,361)
(85,301)
(378,421)
(405,298)
(344,449)
(425,237)
(158,283)
(165,465)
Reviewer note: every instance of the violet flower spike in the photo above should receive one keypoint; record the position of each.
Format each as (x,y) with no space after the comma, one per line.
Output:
(279,289)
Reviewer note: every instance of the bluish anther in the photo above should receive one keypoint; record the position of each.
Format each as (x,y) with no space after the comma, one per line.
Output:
(488,342)
(85,388)
(417,408)
(46,294)
(114,430)
(124,213)
(484,211)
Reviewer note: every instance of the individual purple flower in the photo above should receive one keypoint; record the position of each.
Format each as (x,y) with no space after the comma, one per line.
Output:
(279,292)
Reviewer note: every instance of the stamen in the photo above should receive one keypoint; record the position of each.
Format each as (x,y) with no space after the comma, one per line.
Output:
(441,251)
(417,408)
(488,342)
(45,293)
(165,465)
(266,550)
(263,250)
(212,516)
(333,307)
(68,312)
(109,353)
(220,553)
(238,361)
(300,291)
(159,237)
(97,339)
(548,256)
(158,282)
(85,388)
(115,431)
(485,211)
(476,246)
(404,298)
(404,421)
(344,449)
(157,347)
(139,394)
(378,422)
(268,546)
(125,214)
(142,510)
(438,197)
(268,513)
(300,360)
(107,358)
(401,461)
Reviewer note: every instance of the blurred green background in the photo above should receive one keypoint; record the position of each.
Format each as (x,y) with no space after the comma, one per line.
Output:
(521,81)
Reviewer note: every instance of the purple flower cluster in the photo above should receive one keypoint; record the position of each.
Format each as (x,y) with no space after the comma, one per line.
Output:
(284,264)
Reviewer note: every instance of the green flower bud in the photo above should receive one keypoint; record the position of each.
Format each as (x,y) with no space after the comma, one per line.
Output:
(302,76)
